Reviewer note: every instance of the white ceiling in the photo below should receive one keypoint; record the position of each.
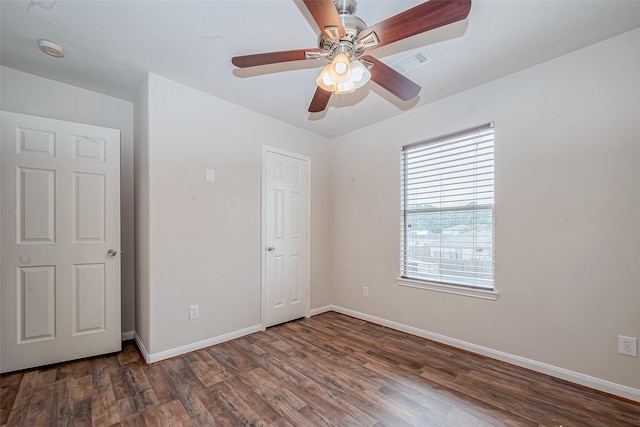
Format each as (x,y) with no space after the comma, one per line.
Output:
(111,45)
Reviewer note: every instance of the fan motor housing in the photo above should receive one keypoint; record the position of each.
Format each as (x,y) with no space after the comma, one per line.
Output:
(352,27)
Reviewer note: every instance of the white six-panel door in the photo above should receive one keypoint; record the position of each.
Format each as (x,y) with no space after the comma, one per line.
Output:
(286,238)
(60,230)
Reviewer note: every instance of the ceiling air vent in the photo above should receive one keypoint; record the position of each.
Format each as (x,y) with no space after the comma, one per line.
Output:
(412,61)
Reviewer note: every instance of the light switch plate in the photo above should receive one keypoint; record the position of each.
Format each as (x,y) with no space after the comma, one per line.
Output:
(194,312)
(210,175)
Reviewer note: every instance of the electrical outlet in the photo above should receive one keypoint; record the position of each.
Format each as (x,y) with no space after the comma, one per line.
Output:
(628,346)
(194,312)
(365,292)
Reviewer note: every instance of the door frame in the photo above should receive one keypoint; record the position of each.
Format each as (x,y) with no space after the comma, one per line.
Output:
(263,227)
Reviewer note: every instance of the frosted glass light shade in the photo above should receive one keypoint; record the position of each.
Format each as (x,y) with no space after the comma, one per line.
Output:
(359,74)
(345,87)
(325,81)
(340,69)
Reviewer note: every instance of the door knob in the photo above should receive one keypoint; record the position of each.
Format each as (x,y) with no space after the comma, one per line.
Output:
(271,248)
(112,252)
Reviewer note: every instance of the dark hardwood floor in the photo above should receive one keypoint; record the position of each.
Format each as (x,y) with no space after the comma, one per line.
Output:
(325,371)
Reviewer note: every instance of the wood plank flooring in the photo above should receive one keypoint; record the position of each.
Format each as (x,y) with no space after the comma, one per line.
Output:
(325,371)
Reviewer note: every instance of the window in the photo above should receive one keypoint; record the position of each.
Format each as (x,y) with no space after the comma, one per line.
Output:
(447,210)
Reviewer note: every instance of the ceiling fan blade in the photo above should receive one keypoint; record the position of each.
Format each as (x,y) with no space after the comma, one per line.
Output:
(320,100)
(391,80)
(325,14)
(271,57)
(419,19)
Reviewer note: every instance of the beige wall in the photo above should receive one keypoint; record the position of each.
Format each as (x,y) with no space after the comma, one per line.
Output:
(28,94)
(204,239)
(567,207)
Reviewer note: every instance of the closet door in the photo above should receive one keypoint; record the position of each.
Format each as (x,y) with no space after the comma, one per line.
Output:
(60,231)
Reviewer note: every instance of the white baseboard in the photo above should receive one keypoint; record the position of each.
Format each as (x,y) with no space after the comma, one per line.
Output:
(141,347)
(320,310)
(126,336)
(554,371)
(166,354)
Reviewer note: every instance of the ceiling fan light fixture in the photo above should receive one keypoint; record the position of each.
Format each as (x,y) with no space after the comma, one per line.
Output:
(343,77)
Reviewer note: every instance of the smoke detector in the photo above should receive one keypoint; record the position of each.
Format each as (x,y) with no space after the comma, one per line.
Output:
(50,48)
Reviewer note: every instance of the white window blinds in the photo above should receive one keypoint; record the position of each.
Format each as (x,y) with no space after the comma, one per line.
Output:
(447,209)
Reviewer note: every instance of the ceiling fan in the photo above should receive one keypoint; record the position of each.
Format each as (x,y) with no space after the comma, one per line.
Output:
(344,38)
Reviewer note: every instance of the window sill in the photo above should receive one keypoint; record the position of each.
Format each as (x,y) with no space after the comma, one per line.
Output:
(449,289)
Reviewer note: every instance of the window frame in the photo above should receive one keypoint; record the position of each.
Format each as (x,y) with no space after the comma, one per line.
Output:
(427,283)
